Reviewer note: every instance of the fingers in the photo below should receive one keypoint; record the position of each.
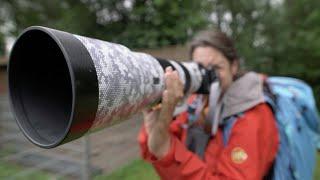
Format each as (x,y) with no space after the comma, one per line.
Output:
(172,94)
(173,84)
(169,69)
(160,115)
(167,108)
(150,119)
(150,113)
(170,77)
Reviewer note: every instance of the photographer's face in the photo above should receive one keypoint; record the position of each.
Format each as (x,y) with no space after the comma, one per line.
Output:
(211,57)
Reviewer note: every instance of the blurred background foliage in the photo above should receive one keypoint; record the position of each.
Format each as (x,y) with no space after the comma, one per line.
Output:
(277,37)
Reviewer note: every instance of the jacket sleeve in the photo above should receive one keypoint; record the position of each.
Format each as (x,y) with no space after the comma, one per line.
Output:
(241,158)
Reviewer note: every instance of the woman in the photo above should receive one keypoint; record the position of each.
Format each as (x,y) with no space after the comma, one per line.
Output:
(245,151)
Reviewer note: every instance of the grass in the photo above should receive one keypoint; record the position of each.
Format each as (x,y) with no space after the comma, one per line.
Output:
(10,170)
(136,170)
(317,171)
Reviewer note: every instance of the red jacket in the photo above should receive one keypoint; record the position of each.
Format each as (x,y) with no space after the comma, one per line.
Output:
(251,149)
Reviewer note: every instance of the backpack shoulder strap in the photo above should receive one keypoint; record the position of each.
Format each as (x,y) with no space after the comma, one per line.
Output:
(270,99)
(227,127)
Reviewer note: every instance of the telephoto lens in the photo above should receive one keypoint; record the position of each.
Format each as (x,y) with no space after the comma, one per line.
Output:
(63,86)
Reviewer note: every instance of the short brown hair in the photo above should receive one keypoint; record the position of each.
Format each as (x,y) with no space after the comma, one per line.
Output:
(218,40)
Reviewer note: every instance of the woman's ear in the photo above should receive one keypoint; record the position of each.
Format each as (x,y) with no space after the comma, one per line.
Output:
(235,67)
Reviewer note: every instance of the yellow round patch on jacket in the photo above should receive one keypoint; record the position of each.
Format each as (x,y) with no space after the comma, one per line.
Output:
(238,155)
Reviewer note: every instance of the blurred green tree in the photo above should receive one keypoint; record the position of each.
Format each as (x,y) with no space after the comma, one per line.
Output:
(276,37)
(2,21)
(68,15)
(146,23)
(134,23)
(2,45)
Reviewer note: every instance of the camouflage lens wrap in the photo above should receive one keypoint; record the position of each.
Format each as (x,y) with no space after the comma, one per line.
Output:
(128,81)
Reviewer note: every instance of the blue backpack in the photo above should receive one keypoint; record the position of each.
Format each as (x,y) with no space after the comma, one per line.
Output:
(297,119)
